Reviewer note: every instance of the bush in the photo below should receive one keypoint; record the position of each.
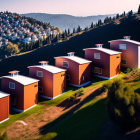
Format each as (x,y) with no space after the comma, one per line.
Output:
(79,93)
(106,86)
(123,105)
(4,136)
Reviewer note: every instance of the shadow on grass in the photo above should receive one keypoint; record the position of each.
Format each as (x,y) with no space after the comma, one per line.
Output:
(84,124)
(46,128)
(137,90)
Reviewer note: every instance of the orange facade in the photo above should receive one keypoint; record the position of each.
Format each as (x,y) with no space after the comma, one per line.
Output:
(108,66)
(51,84)
(22,97)
(130,55)
(4,108)
(76,74)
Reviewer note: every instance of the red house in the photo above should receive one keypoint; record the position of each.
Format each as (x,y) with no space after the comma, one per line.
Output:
(51,79)
(105,62)
(23,91)
(78,69)
(4,106)
(130,51)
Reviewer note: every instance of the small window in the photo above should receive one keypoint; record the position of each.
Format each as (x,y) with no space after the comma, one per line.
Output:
(39,73)
(35,86)
(122,46)
(83,78)
(65,64)
(96,55)
(118,57)
(40,89)
(62,75)
(97,70)
(123,62)
(11,85)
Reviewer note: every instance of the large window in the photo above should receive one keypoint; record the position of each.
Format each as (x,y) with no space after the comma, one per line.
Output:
(39,74)
(97,70)
(65,64)
(122,46)
(11,85)
(96,55)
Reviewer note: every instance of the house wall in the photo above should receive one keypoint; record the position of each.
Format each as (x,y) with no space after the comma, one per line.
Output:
(46,82)
(30,95)
(17,93)
(72,70)
(103,62)
(130,54)
(84,70)
(115,65)
(59,83)
(4,108)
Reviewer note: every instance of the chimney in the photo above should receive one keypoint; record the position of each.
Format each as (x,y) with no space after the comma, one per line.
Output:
(43,63)
(14,73)
(71,53)
(127,37)
(99,45)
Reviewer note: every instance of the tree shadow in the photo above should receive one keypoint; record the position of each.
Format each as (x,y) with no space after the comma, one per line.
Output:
(47,127)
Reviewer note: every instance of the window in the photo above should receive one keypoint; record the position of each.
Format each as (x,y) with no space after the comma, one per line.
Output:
(118,57)
(11,85)
(123,61)
(96,55)
(83,78)
(122,46)
(62,75)
(39,73)
(65,64)
(97,70)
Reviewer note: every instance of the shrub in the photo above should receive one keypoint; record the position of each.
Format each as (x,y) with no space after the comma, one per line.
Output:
(123,105)
(4,136)
(79,93)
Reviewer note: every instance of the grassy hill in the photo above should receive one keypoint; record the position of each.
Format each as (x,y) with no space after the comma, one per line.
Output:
(126,26)
(64,21)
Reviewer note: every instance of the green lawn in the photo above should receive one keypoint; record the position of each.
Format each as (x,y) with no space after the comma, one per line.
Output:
(82,125)
(46,103)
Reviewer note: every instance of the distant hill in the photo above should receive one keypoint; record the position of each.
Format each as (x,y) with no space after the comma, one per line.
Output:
(115,30)
(66,21)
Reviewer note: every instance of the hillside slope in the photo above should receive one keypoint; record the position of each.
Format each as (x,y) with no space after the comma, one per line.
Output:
(127,26)
(66,21)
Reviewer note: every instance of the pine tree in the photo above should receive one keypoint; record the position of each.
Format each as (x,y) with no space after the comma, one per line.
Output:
(79,29)
(92,25)
(139,10)
(68,31)
(74,31)
(130,13)
(124,14)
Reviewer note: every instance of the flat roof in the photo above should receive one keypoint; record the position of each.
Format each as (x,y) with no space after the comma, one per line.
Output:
(105,50)
(76,59)
(22,79)
(49,68)
(3,94)
(127,40)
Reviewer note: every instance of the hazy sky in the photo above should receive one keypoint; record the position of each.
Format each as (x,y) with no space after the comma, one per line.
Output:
(72,7)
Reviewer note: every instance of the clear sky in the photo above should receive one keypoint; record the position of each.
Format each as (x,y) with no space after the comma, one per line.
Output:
(72,7)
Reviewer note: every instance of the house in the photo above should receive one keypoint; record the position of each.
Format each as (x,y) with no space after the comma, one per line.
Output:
(78,69)
(23,91)
(4,106)
(130,51)
(105,62)
(52,81)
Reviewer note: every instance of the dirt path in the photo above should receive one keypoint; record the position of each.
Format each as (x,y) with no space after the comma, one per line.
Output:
(37,124)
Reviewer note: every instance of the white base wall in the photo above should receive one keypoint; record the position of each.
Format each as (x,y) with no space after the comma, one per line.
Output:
(4,120)
(107,78)
(20,111)
(80,85)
